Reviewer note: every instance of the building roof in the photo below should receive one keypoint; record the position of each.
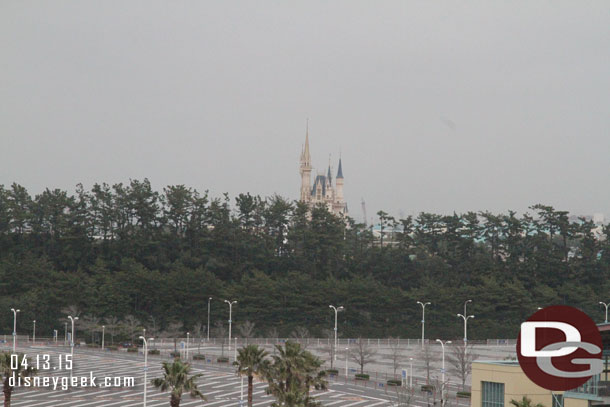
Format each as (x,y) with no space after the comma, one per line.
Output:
(321,179)
(339,171)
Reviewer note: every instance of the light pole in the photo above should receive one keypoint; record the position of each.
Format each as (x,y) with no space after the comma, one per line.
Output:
(346,357)
(72,340)
(411,373)
(103,334)
(423,319)
(34,333)
(235,350)
(209,300)
(341,308)
(230,313)
(443,368)
(187,345)
(605,305)
(14,327)
(65,333)
(466,318)
(145,365)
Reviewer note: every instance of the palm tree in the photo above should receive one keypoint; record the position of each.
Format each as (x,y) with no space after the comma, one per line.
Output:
(251,362)
(525,402)
(176,379)
(292,374)
(23,369)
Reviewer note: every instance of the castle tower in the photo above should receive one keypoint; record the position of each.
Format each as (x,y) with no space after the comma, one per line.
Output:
(339,181)
(306,170)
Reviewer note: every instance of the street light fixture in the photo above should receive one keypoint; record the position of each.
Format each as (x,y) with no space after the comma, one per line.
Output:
(423,319)
(466,318)
(14,327)
(231,303)
(605,305)
(145,365)
(337,310)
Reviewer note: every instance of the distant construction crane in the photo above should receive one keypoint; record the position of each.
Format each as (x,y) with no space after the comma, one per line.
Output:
(363,210)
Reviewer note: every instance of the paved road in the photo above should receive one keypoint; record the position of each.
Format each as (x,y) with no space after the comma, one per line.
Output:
(219,383)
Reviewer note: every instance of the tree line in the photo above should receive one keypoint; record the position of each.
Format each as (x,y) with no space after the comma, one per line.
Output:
(127,251)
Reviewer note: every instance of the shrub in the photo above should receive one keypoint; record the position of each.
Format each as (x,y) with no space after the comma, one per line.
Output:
(427,387)
(198,356)
(222,359)
(174,354)
(332,371)
(465,394)
(154,352)
(132,350)
(112,347)
(394,382)
(362,376)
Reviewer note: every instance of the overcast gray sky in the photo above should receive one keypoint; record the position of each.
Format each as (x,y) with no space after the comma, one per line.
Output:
(434,106)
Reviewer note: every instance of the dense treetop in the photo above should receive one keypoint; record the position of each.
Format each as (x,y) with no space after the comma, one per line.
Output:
(129,250)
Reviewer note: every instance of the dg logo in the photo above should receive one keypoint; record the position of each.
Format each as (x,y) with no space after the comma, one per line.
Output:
(560,348)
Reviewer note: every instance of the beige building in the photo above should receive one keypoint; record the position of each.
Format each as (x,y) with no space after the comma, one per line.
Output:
(496,383)
(323,190)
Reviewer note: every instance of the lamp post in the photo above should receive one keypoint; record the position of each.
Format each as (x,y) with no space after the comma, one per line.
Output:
(443,368)
(341,308)
(346,357)
(34,333)
(188,334)
(103,335)
(65,333)
(466,318)
(410,373)
(235,350)
(145,364)
(209,300)
(14,327)
(230,313)
(605,305)
(72,341)
(423,319)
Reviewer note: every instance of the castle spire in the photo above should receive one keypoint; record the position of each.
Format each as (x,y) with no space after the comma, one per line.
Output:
(306,156)
(340,170)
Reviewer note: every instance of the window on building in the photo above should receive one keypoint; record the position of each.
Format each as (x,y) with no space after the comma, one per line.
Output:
(492,394)
(557,400)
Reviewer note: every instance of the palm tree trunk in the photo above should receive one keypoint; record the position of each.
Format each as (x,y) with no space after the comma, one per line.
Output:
(7,393)
(250,390)
(174,401)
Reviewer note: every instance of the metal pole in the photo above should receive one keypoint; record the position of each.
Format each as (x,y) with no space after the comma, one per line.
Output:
(209,299)
(14,328)
(235,355)
(65,333)
(187,346)
(230,321)
(346,357)
(411,373)
(423,320)
(34,334)
(336,309)
(103,334)
(72,342)
(145,365)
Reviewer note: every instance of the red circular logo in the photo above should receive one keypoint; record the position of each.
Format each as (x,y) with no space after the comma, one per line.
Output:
(559,348)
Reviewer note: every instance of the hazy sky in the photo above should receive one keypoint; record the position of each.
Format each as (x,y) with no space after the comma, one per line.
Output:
(434,106)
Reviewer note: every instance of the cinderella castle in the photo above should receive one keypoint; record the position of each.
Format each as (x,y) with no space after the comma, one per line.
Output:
(323,191)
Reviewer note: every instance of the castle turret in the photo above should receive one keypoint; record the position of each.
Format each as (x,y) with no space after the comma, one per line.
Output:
(306,170)
(339,182)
